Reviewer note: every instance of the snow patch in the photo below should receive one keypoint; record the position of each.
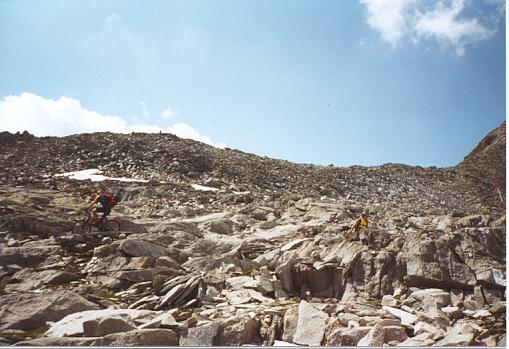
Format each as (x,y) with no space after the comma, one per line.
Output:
(95,175)
(203,188)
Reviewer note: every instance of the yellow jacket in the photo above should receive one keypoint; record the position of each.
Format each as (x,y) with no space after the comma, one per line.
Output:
(360,223)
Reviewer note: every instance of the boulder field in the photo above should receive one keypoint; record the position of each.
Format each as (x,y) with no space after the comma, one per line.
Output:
(216,247)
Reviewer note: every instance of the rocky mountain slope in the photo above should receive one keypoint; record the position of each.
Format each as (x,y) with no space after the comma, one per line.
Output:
(220,247)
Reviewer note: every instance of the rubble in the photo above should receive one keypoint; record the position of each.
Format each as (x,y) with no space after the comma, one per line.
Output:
(220,247)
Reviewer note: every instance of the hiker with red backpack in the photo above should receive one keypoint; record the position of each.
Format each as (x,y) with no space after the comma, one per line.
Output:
(107,201)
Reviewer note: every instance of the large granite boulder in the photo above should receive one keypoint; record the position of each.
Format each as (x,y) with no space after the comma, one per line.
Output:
(30,311)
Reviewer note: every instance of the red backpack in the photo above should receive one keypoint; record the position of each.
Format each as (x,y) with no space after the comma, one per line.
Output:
(106,199)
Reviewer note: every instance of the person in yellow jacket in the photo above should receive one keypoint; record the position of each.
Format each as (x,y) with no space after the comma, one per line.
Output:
(359,224)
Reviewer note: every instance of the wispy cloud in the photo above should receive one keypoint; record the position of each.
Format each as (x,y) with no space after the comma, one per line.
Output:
(144,107)
(168,114)
(64,116)
(112,19)
(446,22)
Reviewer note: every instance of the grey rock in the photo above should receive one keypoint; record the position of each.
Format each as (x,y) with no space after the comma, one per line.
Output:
(293,244)
(142,248)
(238,331)
(461,334)
(26,256)
(421,340)
(406,317)
(310,326)
(394,334)
(375,337)
(72,324)
(290,321)
(423,327)
(452,312)
(204,335)
(268,258)
(137,275)
(389,301)
(130,226)
(265,285)
(144,337)
(238,282)
(29,311)
(224,226)
(107,325)
(57,342)
(347,336)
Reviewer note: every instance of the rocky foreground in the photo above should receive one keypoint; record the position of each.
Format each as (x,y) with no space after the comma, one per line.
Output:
(221,247)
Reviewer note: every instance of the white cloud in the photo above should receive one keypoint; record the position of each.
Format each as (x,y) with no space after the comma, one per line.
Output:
(65,116)
(185,131)
(445,22)
(388,17)
(168,113)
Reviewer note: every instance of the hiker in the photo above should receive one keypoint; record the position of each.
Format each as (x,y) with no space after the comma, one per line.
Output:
(107,201)
(359,227)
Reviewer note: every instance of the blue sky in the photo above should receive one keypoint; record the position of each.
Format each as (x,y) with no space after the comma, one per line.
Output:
(344,82)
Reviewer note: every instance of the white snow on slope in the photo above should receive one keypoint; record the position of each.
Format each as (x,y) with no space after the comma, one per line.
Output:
(95,175)
(203,188)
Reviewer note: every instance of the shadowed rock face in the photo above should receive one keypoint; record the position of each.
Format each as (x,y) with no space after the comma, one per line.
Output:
(222,247)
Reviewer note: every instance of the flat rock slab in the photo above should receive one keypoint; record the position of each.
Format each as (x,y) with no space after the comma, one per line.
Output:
(277,232)
(293,244)
(237,297)
(231,240)
(238,282)
(58,342)
(72,325)
(207,218)
(310,326)
(30,311)
(406,317)
(31,280)
(144,337)
(26,256)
